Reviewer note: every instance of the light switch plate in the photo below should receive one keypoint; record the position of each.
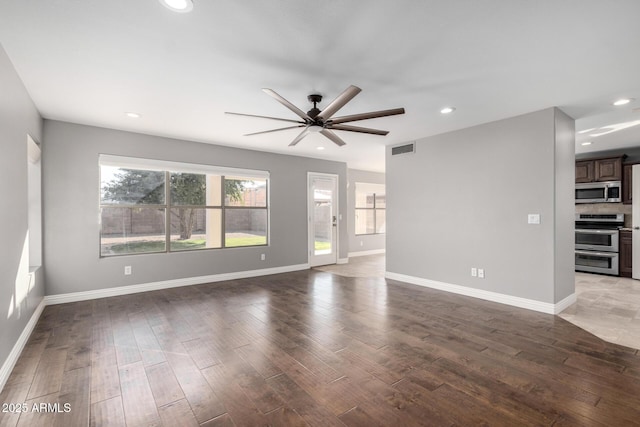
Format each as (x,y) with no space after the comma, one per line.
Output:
(533,218)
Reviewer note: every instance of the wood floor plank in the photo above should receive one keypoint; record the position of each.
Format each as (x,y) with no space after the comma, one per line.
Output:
(285,417)
(311,411)
(203,400)
(148,346)
(74,395)
(48,376)
(163,383)
(258,361)
(252,383)
(105,378)
(203,351)
(124,340)
(79,348)
(107,413)
(178,413)
(137,399)
(241,409)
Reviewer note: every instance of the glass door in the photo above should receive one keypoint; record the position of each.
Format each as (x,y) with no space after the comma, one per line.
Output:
(323,219)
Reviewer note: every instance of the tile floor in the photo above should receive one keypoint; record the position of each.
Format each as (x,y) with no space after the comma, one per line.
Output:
(361,266)
(608,307)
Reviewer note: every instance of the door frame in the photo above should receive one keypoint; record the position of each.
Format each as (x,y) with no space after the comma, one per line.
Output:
(310,229)
(635,222)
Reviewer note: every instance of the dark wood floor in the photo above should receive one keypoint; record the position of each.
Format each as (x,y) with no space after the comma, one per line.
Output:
(312,348)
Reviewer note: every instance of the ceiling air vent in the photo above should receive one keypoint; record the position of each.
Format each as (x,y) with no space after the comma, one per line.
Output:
(403,149)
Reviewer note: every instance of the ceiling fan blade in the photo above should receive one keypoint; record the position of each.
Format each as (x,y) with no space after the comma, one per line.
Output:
(333,137)
(339,102)
(273,130)
(298,138)
(365,116)
(358,129)
(264,117)
(287,104)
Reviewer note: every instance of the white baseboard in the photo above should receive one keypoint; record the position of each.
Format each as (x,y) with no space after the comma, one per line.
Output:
(364,253)
(165,284)
(11,360)
(342,261)
(565,303)
(543,307)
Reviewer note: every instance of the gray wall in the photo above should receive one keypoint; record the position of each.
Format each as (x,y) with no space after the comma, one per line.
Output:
(462,201)
(364,242)
(565,177)
(18,117)
(71,209)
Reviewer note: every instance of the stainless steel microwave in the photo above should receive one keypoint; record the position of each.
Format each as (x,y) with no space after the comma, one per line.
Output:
(599,192)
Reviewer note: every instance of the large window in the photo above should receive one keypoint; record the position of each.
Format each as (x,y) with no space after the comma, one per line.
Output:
(153,206)
(370,208)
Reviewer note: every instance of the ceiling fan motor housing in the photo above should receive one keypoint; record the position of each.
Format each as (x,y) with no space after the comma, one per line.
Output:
(316,99)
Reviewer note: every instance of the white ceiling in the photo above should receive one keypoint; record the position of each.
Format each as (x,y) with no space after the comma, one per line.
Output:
(89,61)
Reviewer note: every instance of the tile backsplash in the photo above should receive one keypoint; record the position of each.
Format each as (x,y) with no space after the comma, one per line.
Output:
(600,208)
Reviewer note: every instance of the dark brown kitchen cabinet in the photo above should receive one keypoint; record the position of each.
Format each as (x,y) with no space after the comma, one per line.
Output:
(601,169)
(584,171)
(608,169)
(625,253)
(627,177)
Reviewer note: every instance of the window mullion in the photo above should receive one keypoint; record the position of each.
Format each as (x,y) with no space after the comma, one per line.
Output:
(375,228)
(167,211)
(223,226)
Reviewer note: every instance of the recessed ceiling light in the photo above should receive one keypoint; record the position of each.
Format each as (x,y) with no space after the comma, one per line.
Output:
(586,143)
(133,115)
(622,101)
(447,110)
(319,148)
(181,6)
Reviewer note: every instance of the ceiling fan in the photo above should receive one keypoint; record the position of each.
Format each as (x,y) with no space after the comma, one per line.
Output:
(323,121)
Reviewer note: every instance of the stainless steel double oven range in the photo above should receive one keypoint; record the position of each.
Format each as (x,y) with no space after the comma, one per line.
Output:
(598,242)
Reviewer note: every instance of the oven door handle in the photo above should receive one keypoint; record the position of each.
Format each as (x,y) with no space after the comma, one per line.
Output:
(592,231)
(602,254)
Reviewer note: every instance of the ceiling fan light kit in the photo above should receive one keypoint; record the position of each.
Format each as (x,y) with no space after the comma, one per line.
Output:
(322,121)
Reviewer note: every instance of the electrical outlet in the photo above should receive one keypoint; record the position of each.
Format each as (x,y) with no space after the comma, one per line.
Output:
(263,257)
(533,219)
(474,272)
(361,243)
(127,270)
(481,273)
